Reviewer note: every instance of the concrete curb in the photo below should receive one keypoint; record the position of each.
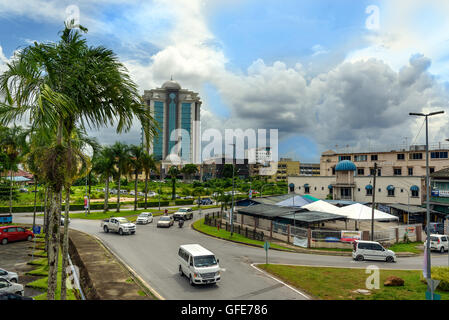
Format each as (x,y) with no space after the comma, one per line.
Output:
(140,281)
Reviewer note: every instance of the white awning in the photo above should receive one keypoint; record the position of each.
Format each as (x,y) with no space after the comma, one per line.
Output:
(322,206)
(361,212)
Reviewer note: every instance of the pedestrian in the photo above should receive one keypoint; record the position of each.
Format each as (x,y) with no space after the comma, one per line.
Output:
(166,212)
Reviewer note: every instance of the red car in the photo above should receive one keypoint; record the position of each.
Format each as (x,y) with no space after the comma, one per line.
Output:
(13,233)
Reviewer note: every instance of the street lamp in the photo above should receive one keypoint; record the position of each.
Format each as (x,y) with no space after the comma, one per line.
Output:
(428,266)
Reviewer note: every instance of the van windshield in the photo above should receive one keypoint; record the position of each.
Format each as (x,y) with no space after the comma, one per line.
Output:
(204,261)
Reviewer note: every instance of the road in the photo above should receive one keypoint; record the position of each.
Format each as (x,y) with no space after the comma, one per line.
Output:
(152,253)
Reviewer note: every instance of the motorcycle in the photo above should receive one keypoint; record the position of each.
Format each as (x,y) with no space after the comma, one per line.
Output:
(181,223)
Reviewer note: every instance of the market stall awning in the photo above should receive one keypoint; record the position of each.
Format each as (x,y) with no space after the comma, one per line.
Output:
(361,212)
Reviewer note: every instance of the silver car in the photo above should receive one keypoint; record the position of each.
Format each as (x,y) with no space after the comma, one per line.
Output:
(8,275)
(10,287)
(165,221)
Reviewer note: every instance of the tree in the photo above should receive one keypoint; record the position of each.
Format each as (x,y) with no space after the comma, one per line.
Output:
(173,172)
(61,86)
(148,164)
(121,156)
(103,165)
(136,162)
(189,170)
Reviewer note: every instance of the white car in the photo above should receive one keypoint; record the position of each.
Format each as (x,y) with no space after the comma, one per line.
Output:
(184,213)
(165,221)
(63,221)
(438,242)
(152,194)
(10,287)
(144,218)
(371,250)
(8,275)
(118,224)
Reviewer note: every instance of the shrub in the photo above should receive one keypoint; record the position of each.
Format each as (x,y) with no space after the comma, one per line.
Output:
(442,274)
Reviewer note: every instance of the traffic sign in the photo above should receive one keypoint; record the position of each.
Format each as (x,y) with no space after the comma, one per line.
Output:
(433,284)
(266,245)
(37,229)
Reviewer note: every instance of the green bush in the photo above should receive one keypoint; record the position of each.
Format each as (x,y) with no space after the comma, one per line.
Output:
(183,201)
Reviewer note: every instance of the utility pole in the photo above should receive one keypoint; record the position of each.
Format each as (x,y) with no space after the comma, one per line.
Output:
(374,202)
(428,261)
(232,201)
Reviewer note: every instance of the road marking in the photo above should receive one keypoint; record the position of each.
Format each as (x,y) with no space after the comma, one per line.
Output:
(340,267)
(276,279)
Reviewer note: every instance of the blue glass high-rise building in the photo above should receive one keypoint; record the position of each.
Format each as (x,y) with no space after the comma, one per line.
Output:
(177,111)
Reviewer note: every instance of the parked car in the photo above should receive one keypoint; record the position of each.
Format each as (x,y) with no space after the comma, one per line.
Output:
(118,224)
(10,287)
(438,242)
(198,264)
(435,228)
(141,194)
(165,221)
(204,201)
(144,218)
(13,296)
(132,193)
(371,250)
(8,275)
(113,191)
(10,234)
(23,190)
(152,194)
(185,213)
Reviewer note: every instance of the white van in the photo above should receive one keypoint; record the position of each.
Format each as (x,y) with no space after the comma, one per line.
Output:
(371,250)
(198,264)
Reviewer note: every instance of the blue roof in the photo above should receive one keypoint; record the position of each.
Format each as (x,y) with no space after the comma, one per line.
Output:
(291,185)
(414,188)
(390,187)
(330,186)
(295,201)
(345,165)
(369,187)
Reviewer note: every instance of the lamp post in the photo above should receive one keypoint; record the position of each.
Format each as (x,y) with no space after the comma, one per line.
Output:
(428,261)
(232,201)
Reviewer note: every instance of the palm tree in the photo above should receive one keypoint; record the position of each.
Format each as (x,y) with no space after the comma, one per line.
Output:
(148,164)
(137,154)
(121,156)
(189,170)
(173,172)
(103,165)
(61,86)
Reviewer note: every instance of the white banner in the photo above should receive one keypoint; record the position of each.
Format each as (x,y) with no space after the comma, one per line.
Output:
(300,242)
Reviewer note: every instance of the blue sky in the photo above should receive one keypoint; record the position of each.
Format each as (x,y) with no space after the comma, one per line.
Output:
(270,64)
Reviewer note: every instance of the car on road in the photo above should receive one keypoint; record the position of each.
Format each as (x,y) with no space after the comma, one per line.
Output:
(10,287)
(63,220)
(165,222)
(10,234)
(204,201)
(371,250)
(438,242)
(198,264)
(184,213)
(118,224)
(144,218)
(8,275)
(151,194)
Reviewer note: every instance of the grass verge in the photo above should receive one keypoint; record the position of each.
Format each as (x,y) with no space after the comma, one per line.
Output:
(340,283)
(226,235)
(407,247)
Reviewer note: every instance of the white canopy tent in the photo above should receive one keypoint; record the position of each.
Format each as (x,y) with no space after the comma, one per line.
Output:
(361,212)
(322,206)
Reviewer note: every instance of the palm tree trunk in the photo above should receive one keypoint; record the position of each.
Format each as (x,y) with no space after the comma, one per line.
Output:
(118,192)
(10,193)
(65,245)
(46,217)
(173,189)
(135,192)
(35,201)
(53,245)
(146,188)
(106,196)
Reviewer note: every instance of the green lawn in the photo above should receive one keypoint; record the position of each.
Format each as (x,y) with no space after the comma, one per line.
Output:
(223,234)
(339,283)
(406,247)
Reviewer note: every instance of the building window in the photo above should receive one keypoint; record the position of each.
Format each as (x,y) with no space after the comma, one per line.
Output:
(431,169)
(306,189)
(369,192)
(333,171)
(416,156)
(438,155)
(415,193)
(397,171)
(358,189)
(341,158)
(391,193)
(360,158)
(361,171)
(401,156)
(374,157)
(345,193)
(371,172)
(410,171)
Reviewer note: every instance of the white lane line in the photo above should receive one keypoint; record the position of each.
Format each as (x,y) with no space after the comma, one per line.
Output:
(276,279)
(342,267)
